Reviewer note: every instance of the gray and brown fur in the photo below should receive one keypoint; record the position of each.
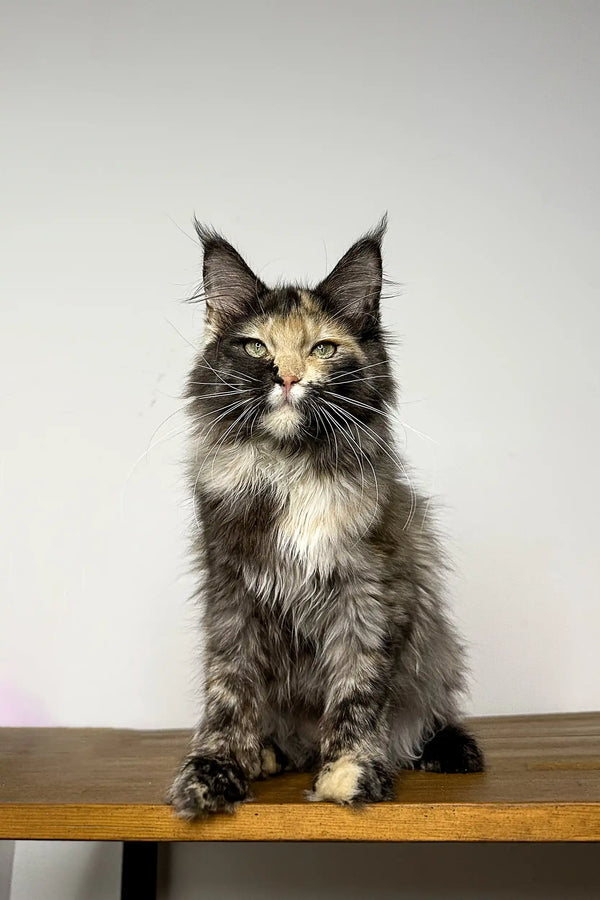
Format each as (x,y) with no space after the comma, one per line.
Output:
(327,645)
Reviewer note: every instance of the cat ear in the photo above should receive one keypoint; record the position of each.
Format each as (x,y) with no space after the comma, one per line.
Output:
(231,288)
(353,288)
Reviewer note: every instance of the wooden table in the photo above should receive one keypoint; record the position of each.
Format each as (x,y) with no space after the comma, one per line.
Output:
(542,783)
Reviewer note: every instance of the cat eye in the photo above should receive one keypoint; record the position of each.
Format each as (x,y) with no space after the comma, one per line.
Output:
(324,349)
(255,348)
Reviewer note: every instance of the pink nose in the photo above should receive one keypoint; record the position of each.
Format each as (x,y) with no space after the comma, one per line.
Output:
(288,381)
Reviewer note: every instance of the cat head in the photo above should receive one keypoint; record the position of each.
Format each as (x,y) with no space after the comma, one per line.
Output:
(289,362)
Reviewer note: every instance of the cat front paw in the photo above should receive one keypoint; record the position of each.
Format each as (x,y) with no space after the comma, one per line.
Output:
(352,782)
(206,785)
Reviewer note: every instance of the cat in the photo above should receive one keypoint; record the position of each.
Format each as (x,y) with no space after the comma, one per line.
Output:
(326,643)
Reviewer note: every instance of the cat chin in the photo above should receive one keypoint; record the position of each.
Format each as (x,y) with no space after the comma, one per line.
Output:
(283,422)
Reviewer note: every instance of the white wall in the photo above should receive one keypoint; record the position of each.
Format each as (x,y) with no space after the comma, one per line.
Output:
(66,870)
(292,126)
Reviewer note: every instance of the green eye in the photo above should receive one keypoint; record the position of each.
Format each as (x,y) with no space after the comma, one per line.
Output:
(255,348)
(324,349)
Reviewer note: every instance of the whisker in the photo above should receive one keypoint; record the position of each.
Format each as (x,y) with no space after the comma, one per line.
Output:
(362,471)
(175,433)
(366,378)
(376,484)
(223,393)
(421,434)
(245,375)
(224,409)
(382,362)
(182,336)
(253,422)
(225,412)
(244,413)
(380,412)
(395,459)
(333,432)
(158,427)
(376,510)
(205,364)
(212,384)
(183,231)
(205,435)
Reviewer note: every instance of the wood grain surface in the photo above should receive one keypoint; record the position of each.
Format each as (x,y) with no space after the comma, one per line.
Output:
(542,784)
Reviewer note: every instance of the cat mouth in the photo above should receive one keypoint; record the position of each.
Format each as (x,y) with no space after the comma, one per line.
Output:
(280,399)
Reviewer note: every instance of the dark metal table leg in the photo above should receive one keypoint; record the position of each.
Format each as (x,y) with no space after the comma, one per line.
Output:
(138,875)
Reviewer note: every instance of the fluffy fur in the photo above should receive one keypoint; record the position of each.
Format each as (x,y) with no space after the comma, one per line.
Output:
(326,642)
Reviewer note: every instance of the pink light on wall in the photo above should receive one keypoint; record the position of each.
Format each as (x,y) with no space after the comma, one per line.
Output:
(18,708)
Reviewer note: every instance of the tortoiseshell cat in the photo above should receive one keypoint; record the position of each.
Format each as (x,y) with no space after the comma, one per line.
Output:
(326,642)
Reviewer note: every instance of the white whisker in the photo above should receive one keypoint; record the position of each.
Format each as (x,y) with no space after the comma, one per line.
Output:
(383,362)
(205,364)
(223,394)
(182,336)
(395,458)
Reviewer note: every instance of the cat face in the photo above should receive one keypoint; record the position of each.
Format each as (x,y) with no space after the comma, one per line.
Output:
(299,348)
(297,365)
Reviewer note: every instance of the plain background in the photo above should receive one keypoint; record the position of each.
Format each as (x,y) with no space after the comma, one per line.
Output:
(292,126)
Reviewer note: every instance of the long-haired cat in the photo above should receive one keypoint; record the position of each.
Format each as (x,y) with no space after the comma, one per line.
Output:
(326,642)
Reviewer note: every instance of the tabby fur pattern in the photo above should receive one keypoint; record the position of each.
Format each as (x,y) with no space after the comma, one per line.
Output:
(326,642)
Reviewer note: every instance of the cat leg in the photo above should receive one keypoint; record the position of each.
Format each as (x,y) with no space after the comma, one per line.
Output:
(292,744)
(356,766)
(452,749)
(226,749)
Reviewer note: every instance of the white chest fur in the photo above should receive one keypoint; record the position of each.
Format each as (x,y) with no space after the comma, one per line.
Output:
(321,517)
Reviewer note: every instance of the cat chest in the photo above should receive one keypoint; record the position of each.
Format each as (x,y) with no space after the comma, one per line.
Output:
(319,521)
(314,519)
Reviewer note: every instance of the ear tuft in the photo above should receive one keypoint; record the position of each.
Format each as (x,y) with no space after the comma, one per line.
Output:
(377,233)
(231,288)
(353,288)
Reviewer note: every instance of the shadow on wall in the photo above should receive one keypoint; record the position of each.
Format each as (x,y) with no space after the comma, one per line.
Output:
(66,870)
(7,851)
(379,871)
